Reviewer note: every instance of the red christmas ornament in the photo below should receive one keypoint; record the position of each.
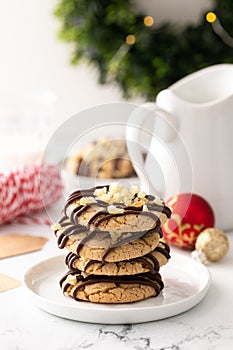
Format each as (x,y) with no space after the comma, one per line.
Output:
(191,214)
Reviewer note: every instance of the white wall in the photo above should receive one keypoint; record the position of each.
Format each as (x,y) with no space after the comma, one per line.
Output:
(31,57)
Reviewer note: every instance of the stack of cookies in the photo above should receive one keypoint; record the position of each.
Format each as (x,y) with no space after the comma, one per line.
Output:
(113,235)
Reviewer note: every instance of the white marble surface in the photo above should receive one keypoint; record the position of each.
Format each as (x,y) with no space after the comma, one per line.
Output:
(23,326)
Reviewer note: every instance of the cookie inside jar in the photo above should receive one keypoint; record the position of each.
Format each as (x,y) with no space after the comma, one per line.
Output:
(104,158)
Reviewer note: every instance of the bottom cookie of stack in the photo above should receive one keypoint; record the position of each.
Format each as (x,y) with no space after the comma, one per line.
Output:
(111,289)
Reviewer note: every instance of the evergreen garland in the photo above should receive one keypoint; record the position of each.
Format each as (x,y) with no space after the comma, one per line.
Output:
(160,55)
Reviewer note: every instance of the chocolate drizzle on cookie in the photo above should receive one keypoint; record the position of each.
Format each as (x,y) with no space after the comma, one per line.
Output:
(126,240)
(148,279)
(77,195)
(149,260)
(165,250)
(70,226)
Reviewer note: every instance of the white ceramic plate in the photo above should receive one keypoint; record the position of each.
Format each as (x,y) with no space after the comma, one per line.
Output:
(186,283)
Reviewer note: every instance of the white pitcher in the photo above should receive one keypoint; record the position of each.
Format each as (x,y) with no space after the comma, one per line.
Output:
(191,146)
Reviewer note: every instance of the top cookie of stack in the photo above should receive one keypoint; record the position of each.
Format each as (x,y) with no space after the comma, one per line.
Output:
(111,223)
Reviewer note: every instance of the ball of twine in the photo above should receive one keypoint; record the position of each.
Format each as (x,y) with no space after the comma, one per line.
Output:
(27,189)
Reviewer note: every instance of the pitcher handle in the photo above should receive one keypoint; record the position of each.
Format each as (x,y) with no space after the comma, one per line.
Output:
(166,126)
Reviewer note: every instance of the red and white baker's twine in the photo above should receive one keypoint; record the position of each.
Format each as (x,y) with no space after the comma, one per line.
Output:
(27,189)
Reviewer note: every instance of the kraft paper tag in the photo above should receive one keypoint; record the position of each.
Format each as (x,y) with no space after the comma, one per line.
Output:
(16,244)
(7,282)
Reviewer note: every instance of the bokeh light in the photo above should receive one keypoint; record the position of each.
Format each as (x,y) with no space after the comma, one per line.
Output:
(130,39)
(211,17)
(148,21)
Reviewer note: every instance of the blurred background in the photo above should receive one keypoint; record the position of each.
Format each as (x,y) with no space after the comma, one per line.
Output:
(35,67)
(32,57)
(62,57)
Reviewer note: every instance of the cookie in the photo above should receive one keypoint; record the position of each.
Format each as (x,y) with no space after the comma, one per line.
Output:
(111,223)
(105,158)
(111,289)
(148,263)
(94,246)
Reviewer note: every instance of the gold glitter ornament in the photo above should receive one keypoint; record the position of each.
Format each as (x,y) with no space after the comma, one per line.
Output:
(212,243)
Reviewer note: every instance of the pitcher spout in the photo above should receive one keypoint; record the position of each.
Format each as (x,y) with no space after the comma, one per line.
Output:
(206,86)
